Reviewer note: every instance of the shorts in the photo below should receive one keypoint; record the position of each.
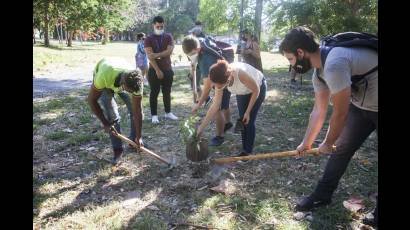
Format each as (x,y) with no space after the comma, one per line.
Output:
(226,97)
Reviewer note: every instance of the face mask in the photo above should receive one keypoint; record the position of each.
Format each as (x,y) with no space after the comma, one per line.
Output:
(194,58)
(302,65)
(158,32)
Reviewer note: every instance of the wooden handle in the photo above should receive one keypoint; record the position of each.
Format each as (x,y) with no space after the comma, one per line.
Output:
(124,138)
(263,156)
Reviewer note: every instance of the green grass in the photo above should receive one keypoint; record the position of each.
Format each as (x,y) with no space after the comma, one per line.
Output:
(58,135)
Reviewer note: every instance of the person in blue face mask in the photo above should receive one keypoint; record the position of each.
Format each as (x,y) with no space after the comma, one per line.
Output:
(158,47)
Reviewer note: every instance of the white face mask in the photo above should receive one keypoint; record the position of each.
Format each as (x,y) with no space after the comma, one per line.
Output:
(158,32)
(194,58)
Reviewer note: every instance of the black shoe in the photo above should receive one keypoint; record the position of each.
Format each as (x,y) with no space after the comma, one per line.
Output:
(293,81)
(310,202)
(217,141)
(370,220)
(228,126)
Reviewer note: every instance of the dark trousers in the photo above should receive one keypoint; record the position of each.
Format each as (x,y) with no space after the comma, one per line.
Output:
(155,85)
(248,135)
(360,124)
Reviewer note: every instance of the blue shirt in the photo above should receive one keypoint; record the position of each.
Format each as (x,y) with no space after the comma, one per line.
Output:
(205,60)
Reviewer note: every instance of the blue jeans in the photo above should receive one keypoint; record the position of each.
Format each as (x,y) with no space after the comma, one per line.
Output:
(248,135)
(110,110)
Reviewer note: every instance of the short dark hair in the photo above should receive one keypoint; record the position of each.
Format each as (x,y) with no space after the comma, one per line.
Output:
(198,23)
(189,43)
(133,80)
(158,19)
(299,38)
(218,72)
(140,36)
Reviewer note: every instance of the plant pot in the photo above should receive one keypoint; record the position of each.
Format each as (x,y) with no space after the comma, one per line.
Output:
(197,150)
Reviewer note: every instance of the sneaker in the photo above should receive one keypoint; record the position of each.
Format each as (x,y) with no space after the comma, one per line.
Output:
(370,220)
(293,81)
(154,119)
(228,126)
(117,156)
(310,202)
(171,116)
(217,141)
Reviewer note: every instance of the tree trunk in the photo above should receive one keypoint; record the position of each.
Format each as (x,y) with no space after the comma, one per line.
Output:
(70,38)
(46,22)
(61,33)
(106,37)
(34,36)
(58,34)
(258,14)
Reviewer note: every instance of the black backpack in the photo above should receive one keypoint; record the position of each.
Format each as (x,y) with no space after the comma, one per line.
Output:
(349,39)
(221,50)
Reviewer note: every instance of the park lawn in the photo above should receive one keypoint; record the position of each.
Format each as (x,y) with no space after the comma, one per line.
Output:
(75,187)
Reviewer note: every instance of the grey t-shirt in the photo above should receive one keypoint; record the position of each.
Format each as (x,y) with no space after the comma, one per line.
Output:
(342,63)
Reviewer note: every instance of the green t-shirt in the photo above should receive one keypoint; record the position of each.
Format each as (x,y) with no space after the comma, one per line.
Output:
(107,71)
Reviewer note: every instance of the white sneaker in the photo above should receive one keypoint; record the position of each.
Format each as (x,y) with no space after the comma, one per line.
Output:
(154,119)
(171,116)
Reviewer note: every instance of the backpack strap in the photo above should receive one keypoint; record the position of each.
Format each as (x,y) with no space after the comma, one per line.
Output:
(324,51)
(206,46)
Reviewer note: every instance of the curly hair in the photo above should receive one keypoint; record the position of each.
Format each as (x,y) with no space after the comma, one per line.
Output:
(133,80)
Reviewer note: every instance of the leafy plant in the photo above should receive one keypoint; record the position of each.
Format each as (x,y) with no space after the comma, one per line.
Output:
(187,129)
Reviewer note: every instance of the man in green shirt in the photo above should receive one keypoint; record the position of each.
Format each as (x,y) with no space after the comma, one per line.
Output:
(116,76)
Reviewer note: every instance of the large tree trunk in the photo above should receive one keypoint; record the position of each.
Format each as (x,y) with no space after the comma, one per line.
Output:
(106,36)
(70,38)
(46,22)
(258,14)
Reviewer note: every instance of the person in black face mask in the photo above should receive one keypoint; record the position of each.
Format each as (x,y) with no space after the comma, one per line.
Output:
(302,65)
(354,113)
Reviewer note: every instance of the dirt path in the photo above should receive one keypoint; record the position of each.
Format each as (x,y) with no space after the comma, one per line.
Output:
(63,79)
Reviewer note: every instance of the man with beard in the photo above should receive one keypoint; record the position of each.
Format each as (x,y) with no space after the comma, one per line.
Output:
(355,104)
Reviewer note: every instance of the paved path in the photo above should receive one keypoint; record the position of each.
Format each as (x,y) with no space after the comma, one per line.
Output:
(65,79)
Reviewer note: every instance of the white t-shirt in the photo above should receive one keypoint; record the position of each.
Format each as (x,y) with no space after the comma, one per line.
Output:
(342,63)
(238,87)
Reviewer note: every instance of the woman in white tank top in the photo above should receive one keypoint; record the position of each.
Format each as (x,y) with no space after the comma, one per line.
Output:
(249,85)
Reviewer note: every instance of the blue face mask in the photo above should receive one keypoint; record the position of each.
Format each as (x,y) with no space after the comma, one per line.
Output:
(158,32)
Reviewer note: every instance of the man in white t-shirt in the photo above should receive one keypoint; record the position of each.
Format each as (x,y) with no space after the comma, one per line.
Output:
(355,106)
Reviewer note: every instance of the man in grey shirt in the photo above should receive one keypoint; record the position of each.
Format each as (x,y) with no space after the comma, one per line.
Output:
(355,106)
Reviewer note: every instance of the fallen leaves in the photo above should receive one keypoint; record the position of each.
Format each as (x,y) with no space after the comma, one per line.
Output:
(354,204)
(67,130)
(225,186)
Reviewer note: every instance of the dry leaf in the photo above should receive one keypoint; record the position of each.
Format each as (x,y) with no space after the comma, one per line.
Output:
(153,208)
(224,187)
(354,204)
(67,130)
(299,215)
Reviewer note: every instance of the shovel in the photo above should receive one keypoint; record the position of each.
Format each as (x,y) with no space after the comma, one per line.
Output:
(133,144)
(260,156)
(219,163)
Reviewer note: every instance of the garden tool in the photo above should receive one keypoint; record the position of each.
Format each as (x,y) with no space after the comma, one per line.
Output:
(171,163)
(221,164)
